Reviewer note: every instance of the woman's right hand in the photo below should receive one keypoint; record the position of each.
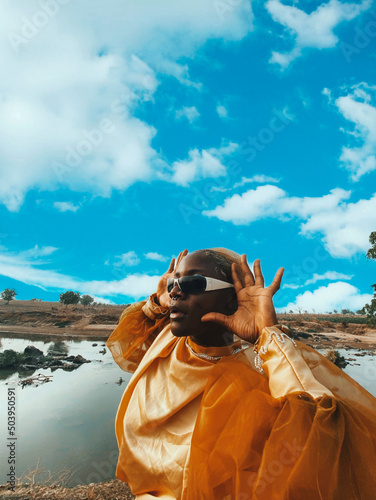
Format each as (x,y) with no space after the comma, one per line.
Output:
(162,294)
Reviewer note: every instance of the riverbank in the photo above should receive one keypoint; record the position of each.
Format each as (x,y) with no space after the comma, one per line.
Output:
(112,490)
(33,319)
(56,320)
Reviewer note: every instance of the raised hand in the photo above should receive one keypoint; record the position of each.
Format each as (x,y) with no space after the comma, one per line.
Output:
(255,303)
(162,293)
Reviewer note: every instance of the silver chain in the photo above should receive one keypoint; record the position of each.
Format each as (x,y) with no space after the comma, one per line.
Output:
(213,358)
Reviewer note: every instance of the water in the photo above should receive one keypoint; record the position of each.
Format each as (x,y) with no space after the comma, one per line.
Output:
(361,368)
(65,428)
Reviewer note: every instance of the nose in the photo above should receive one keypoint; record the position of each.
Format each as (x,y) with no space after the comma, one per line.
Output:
(175,292)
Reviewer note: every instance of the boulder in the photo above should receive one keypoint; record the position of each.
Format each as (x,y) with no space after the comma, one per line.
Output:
(32,351)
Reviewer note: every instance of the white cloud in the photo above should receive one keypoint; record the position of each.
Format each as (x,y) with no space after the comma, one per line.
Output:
(345,227)
(73,124)
(156,256)
(202,164)
(314,30)
(190,113)
(358,106)
(222,111)
(258,178)
(329,275)
(250,206)
(127,259)
(339,295)
(66,206)
(36,252)
(25,269)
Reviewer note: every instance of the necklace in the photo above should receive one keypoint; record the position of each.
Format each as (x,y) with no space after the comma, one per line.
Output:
(213,358)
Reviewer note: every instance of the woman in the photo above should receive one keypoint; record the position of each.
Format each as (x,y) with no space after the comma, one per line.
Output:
(207,416)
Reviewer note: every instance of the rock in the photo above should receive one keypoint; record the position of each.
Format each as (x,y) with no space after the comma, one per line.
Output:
(32,351)
(55,353)
(69,368)
(304,335)
(80,360)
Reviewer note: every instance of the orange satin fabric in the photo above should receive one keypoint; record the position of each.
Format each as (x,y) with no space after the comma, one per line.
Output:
(189,428)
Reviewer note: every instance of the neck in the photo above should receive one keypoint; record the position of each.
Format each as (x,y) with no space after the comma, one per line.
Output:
(213,340)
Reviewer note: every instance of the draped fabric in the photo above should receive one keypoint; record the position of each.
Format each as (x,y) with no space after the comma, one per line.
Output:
(193,428)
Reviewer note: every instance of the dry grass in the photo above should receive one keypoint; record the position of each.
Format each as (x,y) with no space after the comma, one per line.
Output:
(113,490)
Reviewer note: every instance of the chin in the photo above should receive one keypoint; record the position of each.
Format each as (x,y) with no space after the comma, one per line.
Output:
(178,331)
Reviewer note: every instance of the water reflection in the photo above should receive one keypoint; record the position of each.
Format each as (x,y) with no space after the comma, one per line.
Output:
(68,424)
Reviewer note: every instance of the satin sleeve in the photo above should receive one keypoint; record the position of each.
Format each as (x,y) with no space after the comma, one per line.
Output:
(285,367)
(139,325)
(288,435)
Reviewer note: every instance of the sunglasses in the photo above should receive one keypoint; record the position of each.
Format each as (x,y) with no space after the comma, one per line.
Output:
(196,284)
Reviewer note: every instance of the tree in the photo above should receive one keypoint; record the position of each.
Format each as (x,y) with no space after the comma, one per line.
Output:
(69,297)
(370,309)
(371,254)
(86,300)
(8,294)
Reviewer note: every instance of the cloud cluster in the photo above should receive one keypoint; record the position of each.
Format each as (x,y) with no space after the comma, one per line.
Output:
(358,106)
(202,164)
(25,267)
(191,113)
(313,30)
(73,123)
(335,296)
(344,226)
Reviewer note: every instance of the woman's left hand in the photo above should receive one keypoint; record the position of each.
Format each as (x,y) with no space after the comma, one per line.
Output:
(255,303)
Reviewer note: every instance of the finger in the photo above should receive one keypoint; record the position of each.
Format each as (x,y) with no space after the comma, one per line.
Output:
(248,276)
(180,257)
(222,319)
(259,278)
(172,264)
(235,278)
(276,283)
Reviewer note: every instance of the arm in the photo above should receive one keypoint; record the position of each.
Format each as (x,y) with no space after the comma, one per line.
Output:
(256,321)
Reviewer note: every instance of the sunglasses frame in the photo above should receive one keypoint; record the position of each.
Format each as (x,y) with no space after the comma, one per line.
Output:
(211,284)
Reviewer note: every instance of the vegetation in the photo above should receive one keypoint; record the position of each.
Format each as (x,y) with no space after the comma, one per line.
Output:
(335,357)
(69,297)
(10,358)
(86,300)
(8,294)
(370,309)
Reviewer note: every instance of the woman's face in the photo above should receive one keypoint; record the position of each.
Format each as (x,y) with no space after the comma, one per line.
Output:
(187,310)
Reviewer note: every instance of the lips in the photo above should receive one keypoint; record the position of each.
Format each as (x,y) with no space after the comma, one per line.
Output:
(176,313)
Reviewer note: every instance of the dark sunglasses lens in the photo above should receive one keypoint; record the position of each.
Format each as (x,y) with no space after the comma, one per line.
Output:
(170,284)
(192,284)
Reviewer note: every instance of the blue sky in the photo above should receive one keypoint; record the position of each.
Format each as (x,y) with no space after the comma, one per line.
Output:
(132,130)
